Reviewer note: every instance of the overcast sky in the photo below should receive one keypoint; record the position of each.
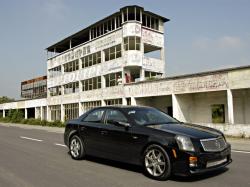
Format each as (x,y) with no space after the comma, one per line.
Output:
(201,35)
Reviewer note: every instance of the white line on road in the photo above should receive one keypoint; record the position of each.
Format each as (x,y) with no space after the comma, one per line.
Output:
(237,151)
(62,145)
(27,138)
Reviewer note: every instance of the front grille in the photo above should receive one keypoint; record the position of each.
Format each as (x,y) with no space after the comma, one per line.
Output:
(214,144)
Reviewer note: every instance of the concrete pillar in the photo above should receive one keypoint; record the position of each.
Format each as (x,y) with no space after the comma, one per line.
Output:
(62,69)
(103,80)
(230,106)
(80,86)
(41,113)
(48,114)
(175,105)
(133,101)
(163,59)
(4,114)
(80,63)
(177,110)
(70,44)
(80,109)
(37,115)
(103,103)
(62,113)
(182,107)
(142,74)
(124,101)
(26,113)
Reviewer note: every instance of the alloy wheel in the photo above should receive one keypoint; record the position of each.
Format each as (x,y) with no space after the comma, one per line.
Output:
(75,148)
(155,162)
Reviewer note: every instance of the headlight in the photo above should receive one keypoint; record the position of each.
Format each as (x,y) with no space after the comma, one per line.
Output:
(184,143)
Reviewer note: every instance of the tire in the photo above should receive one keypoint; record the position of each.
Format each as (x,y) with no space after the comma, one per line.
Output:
(76,148)
(156,163)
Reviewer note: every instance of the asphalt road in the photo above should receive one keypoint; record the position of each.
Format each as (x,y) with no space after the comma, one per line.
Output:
(30,157)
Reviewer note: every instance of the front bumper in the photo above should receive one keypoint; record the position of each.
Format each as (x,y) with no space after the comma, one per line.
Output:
(181,163)
(205,170)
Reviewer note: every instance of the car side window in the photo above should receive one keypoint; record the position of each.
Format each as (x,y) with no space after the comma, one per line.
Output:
(95,116)
(115,115)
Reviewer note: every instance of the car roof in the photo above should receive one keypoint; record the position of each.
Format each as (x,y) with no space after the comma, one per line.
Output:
(124,107)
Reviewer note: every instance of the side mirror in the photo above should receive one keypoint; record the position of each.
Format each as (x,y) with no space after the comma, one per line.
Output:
(124,124)
(119,123)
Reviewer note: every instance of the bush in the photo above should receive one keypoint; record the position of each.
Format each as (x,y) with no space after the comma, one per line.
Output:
(15,117)
(24,121)
(33,121)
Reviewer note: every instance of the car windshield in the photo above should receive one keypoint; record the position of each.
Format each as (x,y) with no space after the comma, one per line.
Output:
(149,116)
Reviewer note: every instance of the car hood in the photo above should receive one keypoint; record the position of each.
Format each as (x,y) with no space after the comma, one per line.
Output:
(190,130)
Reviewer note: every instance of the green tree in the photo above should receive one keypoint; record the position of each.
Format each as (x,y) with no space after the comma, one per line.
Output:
(5,99)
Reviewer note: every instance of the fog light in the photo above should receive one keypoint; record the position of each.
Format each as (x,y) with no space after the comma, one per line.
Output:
(193,161)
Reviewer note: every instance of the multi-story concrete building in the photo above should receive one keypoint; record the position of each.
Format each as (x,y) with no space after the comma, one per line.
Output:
(34,88)
(121,60)
(125,47)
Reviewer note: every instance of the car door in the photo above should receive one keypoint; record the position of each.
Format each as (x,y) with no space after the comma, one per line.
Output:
(90,130)
(117,140)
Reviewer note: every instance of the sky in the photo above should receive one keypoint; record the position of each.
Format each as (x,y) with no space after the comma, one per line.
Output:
(200,36)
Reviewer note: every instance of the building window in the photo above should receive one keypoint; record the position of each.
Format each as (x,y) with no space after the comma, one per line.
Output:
(55,111)
(71,66)
(150,22)
(90,105)
(109,25)
(35,88)
(131,13)
(71,111)
(92,84)
(118,21)
(113,102)
(72,87)
(54,91)
(91,60)
(218,113)
(113,52)
(54,72)
(128,101)
(132,43)
(113,79)
(150,74)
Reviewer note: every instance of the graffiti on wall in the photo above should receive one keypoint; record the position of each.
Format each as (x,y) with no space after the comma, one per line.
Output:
(188,85)
(153,64)
(152,38)
(92,47)
(131,29)
(205,83)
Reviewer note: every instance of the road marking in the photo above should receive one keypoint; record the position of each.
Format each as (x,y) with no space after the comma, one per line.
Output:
(27,138)
(237,151)
(62,145)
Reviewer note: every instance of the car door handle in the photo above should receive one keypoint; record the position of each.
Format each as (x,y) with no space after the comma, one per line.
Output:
(104,132)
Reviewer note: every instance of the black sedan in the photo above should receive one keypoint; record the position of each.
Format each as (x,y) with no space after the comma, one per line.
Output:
(148,137)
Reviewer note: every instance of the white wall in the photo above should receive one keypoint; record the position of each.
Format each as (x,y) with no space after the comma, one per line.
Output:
(202,112)
(196,108)
(241,106)
(161,102)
